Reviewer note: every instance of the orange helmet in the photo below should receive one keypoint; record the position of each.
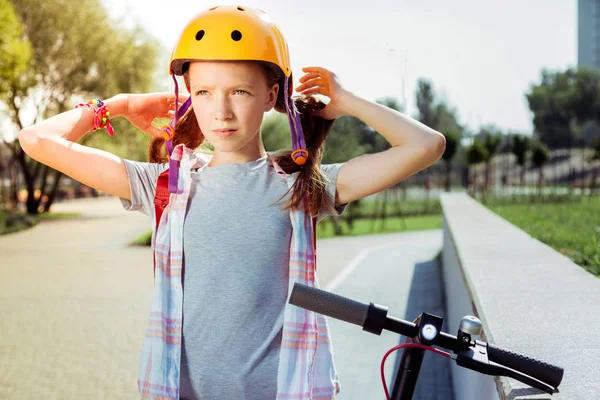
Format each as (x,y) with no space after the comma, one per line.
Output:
(231,33)
(235,33)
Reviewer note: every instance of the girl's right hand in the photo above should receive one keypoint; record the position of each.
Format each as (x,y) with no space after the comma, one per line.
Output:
(141,109)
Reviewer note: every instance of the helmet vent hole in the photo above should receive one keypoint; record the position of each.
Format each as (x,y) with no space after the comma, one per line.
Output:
(200,35)
(236,35)
(210,9)
(241,8)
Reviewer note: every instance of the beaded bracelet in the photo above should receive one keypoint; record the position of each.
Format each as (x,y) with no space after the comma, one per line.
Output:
(101,115)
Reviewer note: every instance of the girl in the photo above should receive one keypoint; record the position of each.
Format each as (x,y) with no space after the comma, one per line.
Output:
(219,239)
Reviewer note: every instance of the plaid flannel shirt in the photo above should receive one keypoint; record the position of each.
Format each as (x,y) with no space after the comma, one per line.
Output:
(306,366)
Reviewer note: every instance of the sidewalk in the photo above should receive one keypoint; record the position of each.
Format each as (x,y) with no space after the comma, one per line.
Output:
(75,300)
(403,276)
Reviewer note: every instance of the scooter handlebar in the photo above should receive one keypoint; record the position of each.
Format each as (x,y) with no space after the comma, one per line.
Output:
(545,372)
(330,304)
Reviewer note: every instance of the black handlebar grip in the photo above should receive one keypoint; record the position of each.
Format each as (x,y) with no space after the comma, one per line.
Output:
(541,370)
(330,304)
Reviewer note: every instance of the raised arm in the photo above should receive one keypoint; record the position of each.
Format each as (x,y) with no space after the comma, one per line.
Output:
(414,146)
(54,141)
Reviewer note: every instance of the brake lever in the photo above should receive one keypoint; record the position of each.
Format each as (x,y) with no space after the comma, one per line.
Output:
(477,360)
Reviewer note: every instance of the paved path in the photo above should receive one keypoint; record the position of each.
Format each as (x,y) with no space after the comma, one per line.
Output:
(74,300)
(403,275)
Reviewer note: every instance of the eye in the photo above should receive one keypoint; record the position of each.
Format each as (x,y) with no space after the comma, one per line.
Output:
(199,92)
(243,91)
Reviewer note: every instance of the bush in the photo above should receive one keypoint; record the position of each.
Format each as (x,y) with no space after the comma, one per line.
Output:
(15,222)
(144,240)
(11,223)
(477,153)
(540,154)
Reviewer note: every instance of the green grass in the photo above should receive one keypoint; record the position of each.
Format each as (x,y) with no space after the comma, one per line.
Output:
(569,224)
(58,215)
(143,240)
(407,207)
(365,226)
(571,227)
(15,222)
(325,229)
(510,200)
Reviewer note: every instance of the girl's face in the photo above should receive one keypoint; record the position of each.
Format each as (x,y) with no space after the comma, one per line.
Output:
(231,95)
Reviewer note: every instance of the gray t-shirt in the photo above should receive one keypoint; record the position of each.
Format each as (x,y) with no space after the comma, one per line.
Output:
(235,274)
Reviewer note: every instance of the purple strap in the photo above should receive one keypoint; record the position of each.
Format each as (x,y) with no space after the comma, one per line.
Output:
(299,131)
(184,107)
(296,131)
(287,110)
(173,164)
(294,120)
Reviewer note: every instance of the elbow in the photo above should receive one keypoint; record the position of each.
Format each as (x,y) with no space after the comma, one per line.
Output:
(435,147)
(440,146)
(28,140)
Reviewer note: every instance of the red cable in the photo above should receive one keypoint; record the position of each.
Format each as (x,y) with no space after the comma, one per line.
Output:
(387,394)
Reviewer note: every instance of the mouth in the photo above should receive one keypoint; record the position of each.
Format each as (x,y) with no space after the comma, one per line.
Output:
(224,132)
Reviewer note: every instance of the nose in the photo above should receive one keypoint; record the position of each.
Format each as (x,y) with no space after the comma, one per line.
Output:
(222,110)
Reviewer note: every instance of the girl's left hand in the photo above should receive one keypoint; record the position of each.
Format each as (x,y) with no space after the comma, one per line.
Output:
(322,81)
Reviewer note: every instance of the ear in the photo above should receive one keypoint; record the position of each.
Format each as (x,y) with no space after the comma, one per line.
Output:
(272,97)
(186,79)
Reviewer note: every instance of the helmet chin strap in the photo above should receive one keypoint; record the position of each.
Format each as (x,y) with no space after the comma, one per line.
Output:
(299,154)
(170,130)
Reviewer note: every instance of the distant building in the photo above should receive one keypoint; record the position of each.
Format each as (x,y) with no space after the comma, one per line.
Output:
(588,49)
(588,33)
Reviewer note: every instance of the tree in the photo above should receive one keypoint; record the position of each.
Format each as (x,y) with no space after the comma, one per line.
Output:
(491,137)
(595,159)
(426,101)
(275,132)
(520,146)
(378,144)
(540,154)
(583,96)
(4,176)
(548,103)
(76,56)
(476,154)
(16,51)
(14,58)
(447,119)
(452,143)
(562,100)
(434,112)
(344,142)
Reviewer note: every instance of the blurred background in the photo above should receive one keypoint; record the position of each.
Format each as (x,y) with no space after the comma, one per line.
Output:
(514,87)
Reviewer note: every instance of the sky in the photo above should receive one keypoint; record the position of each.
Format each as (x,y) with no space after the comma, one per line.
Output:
(481,56)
